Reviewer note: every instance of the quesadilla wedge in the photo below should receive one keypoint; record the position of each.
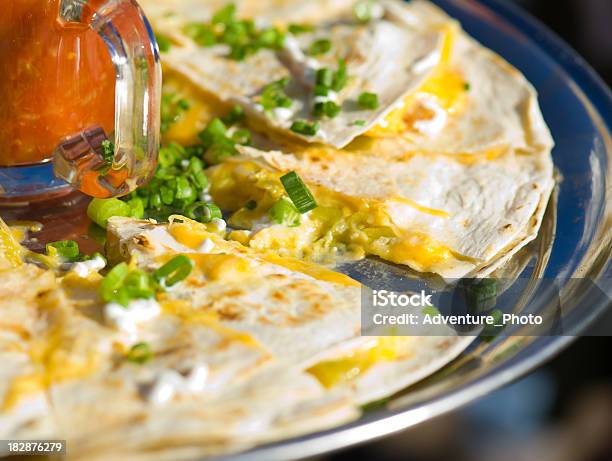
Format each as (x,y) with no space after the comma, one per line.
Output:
(431,213)
(307,84)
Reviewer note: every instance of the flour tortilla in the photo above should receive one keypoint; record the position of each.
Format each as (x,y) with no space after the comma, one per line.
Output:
(383,57)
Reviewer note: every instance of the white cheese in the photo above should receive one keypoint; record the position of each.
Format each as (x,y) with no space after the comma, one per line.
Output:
(282,113)
(205,196)
(219,224)
(197,379)
(207,246)
(169,383)
(163,241)
(331,96)
(434,125)
(165,387)
(84,268)
(128,319)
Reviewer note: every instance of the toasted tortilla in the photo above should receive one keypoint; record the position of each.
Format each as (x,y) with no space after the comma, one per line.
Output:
(384,57)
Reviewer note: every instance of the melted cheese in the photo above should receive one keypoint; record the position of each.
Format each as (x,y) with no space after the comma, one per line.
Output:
(445,88)
(191,314)
(54,362)
(11,251)
(341,226)
(348,367)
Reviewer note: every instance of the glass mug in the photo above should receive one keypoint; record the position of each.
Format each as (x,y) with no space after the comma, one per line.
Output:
(73,73)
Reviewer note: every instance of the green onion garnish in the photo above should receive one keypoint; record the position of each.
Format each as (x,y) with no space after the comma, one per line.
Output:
(325,78)
(137,209)
(299,194)
(203,212)
(174,271)
(297,29)
(466,86)
(363,10)
(304,127)
(67,249)
(327,108)
(242,36)
(273,95)
(100,210)
(368,100)
(202,34)
(139,353)
(214,132)
(320,46)
(359,123)
(235,115)
(225,15)
(340,76)
(284,212)
(163,42)
(113,281)
(242,137)
(136,285)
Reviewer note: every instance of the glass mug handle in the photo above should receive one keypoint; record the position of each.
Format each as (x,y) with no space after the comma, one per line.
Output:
(87,160)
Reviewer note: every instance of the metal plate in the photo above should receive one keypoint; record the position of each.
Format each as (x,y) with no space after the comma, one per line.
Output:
(575,240)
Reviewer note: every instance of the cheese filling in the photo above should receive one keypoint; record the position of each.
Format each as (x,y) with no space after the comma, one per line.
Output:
(340,226)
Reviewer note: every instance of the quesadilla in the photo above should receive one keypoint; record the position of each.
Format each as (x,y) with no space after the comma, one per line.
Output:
(282,86)
(454,178)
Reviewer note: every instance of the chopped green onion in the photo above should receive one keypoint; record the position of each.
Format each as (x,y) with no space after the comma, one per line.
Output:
(271,38)
(139,353)
(368,100)
(225,15)
(327,108)
(363,10)
(321,90)
(202,34)
(242,137)
(100,210)
(67,249)
(213,132)
(251,205)
(304,127)
(340,76)
(137,209)
(220,151)
(235,115)
(137,285)
(174,271)
(284,212)
(297,29)
(203,212)
(163,42)
(299,194)
(481,295)
(113,281)
(320,46)
(359,123)
(273,95)
(466,86)
(325,78)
